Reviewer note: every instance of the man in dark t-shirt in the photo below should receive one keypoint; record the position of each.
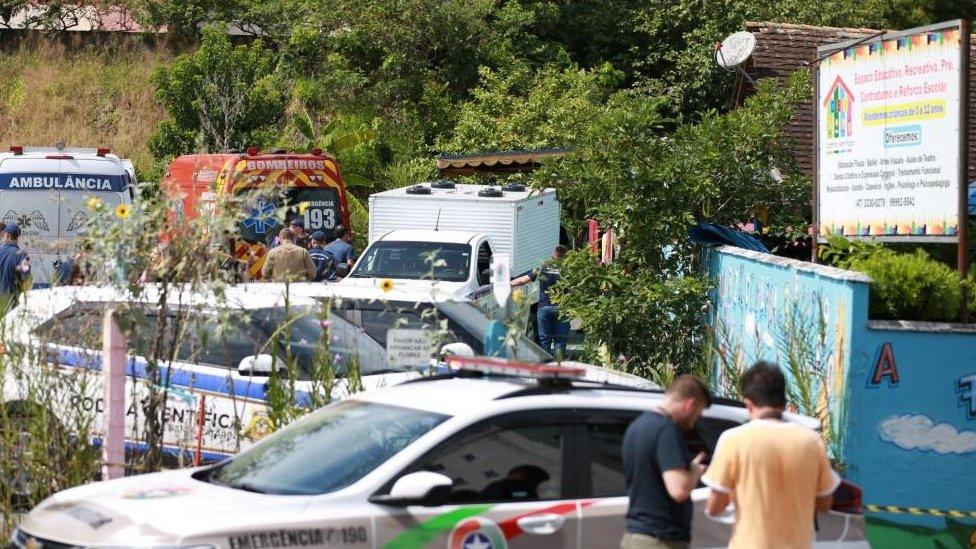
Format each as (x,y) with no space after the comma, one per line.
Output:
(551,330)
(660,471)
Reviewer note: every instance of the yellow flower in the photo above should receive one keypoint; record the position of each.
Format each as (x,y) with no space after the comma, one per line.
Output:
(517,296)
(93,203)
(302,206)
(123,211)
(386,285)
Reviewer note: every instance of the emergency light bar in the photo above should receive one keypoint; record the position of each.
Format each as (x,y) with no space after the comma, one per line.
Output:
(17,149)
(500,366)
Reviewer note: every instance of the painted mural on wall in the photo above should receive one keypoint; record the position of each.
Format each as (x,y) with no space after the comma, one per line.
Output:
(916,399)
(898,402)
(791,317)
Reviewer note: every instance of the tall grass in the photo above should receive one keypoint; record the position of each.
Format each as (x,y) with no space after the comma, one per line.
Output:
(88,97)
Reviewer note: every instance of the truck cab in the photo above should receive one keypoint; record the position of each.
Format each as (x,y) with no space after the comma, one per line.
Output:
(453,262)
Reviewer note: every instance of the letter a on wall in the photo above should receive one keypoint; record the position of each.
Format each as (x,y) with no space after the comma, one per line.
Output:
(885,367)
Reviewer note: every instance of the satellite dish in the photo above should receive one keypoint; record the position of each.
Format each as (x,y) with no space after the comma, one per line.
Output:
(735,49)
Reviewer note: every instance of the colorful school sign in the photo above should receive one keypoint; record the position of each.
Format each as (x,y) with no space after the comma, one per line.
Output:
(888,117)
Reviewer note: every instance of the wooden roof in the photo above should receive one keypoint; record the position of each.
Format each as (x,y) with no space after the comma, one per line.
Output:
(782,48)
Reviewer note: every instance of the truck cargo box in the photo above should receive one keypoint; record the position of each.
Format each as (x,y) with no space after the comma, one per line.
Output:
(521,223)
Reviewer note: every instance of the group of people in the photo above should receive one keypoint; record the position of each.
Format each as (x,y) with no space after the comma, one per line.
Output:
(296,257)
(775,472)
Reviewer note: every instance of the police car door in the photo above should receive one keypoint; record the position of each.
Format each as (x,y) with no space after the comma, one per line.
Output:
(204,376)
(29,197)
(513,488)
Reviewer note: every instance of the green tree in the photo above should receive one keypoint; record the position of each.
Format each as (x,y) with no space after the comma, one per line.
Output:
(650,185)
(520,108)
(219,97)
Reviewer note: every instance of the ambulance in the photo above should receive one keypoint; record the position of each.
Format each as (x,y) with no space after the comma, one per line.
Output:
(44,190)
(283,186)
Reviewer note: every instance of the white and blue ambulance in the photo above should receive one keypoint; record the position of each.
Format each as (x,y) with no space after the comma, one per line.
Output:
(45,190)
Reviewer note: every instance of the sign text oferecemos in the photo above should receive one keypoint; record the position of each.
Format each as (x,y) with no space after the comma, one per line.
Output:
(888,114)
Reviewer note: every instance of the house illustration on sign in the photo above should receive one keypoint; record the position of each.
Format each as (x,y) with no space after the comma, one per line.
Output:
(839,113)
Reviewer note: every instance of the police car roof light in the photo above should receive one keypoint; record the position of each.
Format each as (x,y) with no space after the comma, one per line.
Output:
(504,367)
(59,157)
(17,149)
(252,151)
(102,151)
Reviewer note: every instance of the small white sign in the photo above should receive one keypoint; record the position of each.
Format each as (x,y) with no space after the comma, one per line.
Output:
(501,278)
(409,347)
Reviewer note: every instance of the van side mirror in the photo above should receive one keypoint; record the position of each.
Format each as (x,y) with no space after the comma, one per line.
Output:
(256,365)
(418,488)
(342,270)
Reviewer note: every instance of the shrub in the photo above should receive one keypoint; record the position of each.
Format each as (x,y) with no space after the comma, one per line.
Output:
(910,286)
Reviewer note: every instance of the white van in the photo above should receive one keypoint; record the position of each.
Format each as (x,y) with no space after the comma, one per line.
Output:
(45,189)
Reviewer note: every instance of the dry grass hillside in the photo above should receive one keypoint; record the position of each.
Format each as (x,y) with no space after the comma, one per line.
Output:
(86,96)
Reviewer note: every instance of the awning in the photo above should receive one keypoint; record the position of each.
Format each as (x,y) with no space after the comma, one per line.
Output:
(496,162)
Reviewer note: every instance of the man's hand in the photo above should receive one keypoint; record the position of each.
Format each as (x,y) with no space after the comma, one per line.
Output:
(680,482)
(697,469)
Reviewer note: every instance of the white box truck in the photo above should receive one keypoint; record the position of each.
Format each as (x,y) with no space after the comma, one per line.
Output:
(464,225)
(45,189)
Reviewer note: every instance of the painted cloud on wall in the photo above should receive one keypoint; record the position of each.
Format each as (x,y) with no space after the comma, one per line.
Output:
(917,432)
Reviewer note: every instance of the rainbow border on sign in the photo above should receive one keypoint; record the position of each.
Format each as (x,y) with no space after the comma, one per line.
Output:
(895,46)
(886,228)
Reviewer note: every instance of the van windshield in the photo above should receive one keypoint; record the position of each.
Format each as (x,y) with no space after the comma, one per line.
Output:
(415,261)
(267,214)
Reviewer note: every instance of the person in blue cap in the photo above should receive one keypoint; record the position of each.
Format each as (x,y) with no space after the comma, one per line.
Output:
(14,266)
(323,259)
(297,227)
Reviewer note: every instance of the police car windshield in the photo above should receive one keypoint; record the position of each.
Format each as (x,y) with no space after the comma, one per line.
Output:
(416,261)
(476,320)
(304,331)
(327,451)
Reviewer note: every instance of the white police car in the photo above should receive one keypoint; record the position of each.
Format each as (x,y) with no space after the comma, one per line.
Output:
(223,366)
(495,455)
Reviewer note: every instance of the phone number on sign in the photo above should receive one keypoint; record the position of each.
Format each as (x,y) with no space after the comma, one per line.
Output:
(899,201)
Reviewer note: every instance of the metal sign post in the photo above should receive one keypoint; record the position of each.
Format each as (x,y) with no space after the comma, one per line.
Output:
(962,249)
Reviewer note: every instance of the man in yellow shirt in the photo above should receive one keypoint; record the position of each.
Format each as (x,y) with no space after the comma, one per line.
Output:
(776,472)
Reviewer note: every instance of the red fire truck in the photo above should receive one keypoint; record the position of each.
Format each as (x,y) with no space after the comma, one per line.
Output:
(308,186)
